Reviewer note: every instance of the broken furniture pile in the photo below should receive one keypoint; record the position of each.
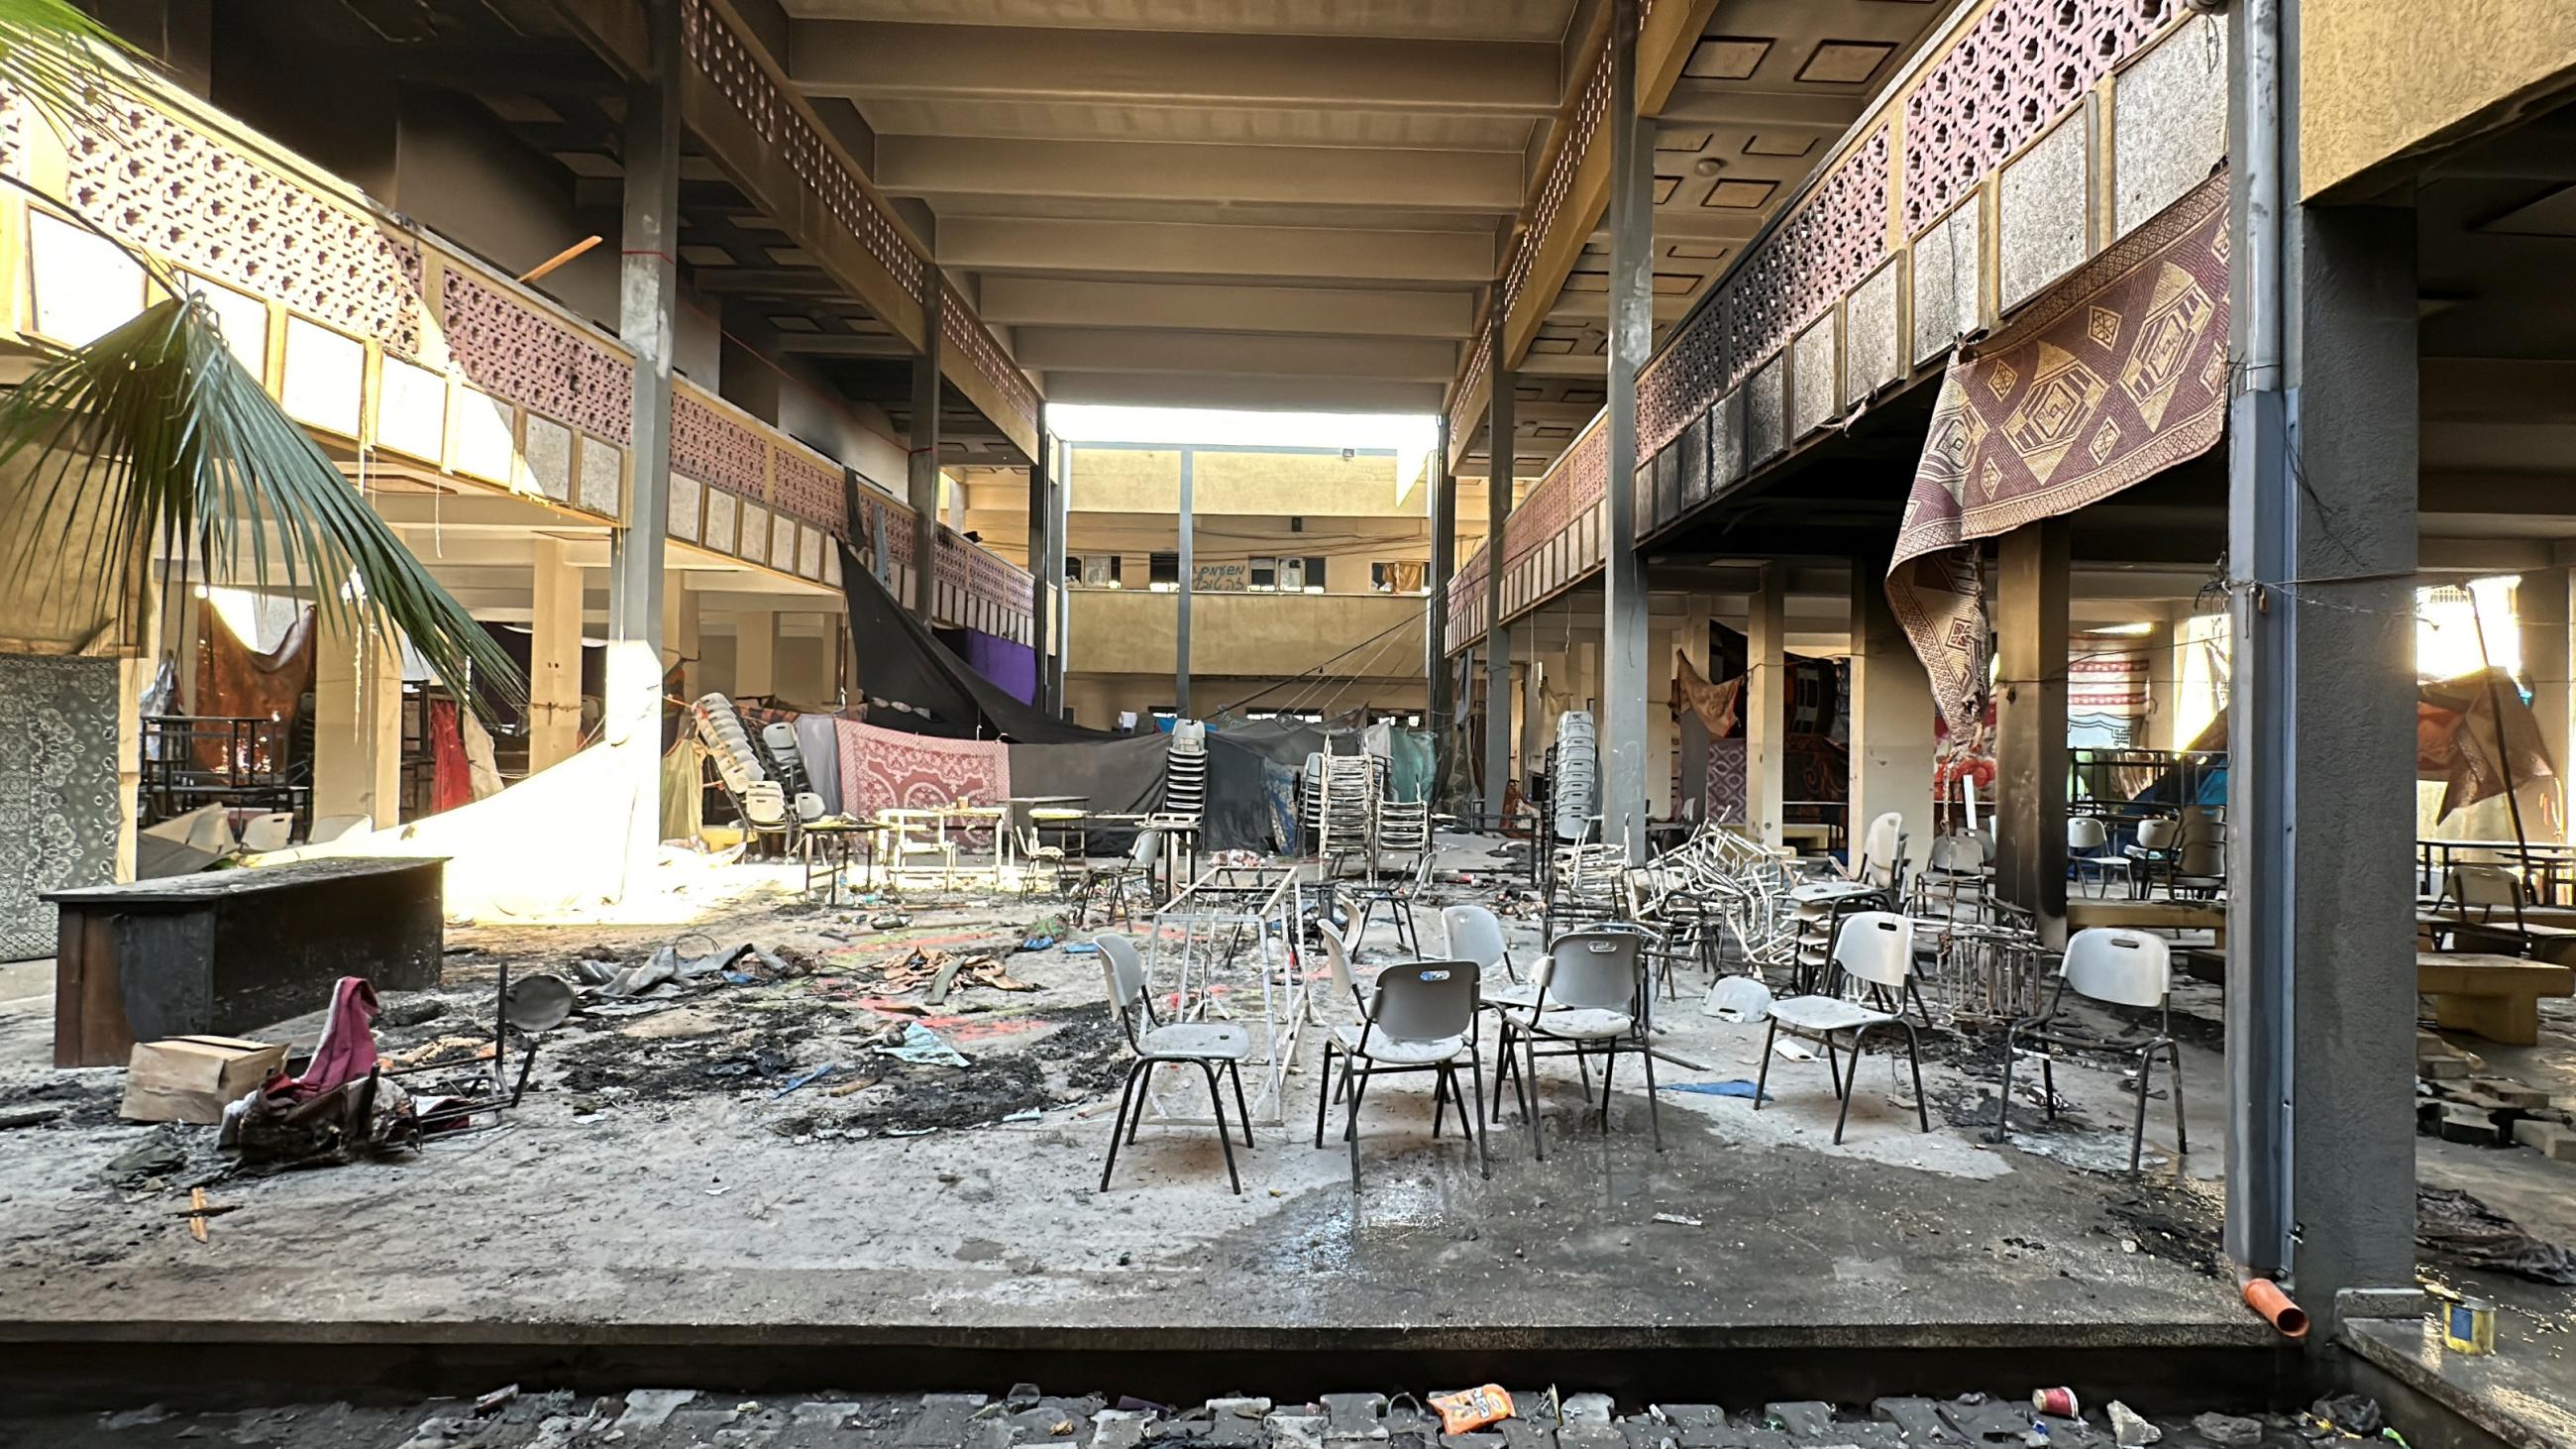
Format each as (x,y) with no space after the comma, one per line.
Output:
(2458,1100)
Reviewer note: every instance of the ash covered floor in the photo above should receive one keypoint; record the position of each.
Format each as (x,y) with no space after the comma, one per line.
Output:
(657,1174)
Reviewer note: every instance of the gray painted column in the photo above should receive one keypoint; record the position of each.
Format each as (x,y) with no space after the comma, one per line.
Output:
(2031,597)
(1435,604)
(1042,594)
(1632,339)
(1891,718)
(1189,562)
(1766,703)
(921,479)
(647,288)
(1059,502)
(2321,810)
(1499,485)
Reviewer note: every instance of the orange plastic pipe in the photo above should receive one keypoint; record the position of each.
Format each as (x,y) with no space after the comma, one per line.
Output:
(2265,1297)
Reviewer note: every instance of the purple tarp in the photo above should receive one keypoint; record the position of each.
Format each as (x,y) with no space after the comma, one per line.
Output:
(1011,665)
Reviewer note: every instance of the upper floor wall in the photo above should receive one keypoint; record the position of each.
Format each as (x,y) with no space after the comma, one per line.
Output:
(2384,81)
(1276,482)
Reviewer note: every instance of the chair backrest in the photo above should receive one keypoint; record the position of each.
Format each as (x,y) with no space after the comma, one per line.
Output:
(1594,969)
(268,832)
(1958,854)
(1337,960)
(1124,971)
(1880,846)
(1147,850)
(1876,946)
(2159,833)
(2083,832)
(1475,934)
(1425,1000)
(2126,968)
(2467,885)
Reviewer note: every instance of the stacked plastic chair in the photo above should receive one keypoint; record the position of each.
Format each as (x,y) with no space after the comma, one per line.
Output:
(1574,788)
(1185,767)
(759,797)
(1345,791)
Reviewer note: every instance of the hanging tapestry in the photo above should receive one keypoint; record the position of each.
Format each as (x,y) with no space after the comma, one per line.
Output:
(1715,704)
(889,770)
(58,795)
(2116,373)
(2106,681)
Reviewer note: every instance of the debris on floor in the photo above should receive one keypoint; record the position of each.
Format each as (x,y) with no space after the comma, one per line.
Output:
(2456,1228)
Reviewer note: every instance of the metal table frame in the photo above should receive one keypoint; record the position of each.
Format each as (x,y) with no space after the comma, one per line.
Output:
(1197,956)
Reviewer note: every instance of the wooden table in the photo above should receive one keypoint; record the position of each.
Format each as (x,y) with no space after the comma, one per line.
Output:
(968,818)
(2208,916)
(2496,997)
(227,952)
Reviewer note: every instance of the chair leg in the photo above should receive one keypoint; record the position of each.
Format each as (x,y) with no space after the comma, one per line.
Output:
(1834,1064)
(1762,1077)
(1118,1125)
(2138,1136)
(2003,1104)
(1654,1118)
(1145,1092)
(1440,1101)
(1351,1126)
(1537,1104)
(1224,1139)
(2182,1130)
(1850,1086)
(1914,1056)
(2048,1078)
(1241,1112)
(1324,1090)
(1476,1073)
(1609,1064)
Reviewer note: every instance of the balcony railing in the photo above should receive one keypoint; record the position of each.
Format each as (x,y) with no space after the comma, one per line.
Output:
(1973,183)
(390,341)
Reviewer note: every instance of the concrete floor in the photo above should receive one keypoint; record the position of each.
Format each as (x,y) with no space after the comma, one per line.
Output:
(673,1201)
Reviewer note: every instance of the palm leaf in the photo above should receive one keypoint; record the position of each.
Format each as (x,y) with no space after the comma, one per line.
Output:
(56,57)
(154,437)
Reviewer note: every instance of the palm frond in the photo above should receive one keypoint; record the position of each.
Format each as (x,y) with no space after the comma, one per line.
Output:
(57,57)
(155,437)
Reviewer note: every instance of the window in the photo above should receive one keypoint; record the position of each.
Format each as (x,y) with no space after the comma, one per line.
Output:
(1092,571)
(1313,583)
(1399,576)
(1264,576)
(1163,570)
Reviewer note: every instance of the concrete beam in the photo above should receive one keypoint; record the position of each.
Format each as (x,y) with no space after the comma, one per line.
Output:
(842,344)
(1065,302)
(1075,65)
(1705,103)
(1144,350)
(951,166)
(1191,249)
(1207,390)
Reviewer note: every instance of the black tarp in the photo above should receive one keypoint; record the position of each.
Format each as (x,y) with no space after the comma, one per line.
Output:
(901,660)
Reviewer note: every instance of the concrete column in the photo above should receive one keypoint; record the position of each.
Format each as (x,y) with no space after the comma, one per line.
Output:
(2164,677)
(680,638)
(1040,552)
(1766,695)
(2321,795)
(1661,736)
(554,656)
(1500,428)
(357,722)
(921,478)
(2030,723)
(1189,563)
(755,653)
(1059,498)
(1891,717)
(1623,687)
(2540,602)
(1439,708)
(648,289)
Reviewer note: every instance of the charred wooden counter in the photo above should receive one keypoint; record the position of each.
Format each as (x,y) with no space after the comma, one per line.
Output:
(231,951)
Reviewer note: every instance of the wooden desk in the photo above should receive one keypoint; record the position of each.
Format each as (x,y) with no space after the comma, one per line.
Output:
(2208,916)
(2497,997)
(231,951)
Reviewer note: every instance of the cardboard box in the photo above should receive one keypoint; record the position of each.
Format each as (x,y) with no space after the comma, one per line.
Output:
(193,1078)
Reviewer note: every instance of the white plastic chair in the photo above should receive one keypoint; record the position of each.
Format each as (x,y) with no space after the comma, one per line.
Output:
(1593,995)
(2159,837)
(1954,871)
(1875,950)
(2084,837)
(1422,1017)
(1202,1044)
(2120,968)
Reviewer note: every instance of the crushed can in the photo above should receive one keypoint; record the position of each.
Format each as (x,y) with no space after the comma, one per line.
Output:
(2057,1403)
(2468,1326)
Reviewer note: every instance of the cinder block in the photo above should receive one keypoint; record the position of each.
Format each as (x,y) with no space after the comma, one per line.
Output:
(2471,1126)
(2549,1139)
(2511,1092)
(2441,1069)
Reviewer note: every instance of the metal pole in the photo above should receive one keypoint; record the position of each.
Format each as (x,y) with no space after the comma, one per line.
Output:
(921,478)
(1499,448)
(1181,629)
(1435,602)
(1044,583)
(1059,521)
(1632,329)
(2263,745)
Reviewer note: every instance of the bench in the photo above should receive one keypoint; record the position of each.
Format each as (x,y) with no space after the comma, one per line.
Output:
(2540,940)
(2496,997)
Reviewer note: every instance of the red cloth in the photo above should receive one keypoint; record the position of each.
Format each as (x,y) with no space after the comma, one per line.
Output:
(347,1051)
(886,769)
(451,778)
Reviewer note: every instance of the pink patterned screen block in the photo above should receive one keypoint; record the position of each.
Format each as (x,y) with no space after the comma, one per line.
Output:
(806,488)
(707,444)
(507,347)
(197,200)
(2023,64)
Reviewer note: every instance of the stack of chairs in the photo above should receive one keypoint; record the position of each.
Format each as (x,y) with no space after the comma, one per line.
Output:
(768,797)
